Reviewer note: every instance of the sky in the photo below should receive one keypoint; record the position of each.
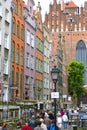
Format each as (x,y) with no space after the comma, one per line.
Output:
(45,4)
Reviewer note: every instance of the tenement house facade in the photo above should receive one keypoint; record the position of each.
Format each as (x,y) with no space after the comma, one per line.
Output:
(5,48)
(30,53)
(17,51)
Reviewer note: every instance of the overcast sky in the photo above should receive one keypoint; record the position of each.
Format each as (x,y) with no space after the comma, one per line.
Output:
(45,4)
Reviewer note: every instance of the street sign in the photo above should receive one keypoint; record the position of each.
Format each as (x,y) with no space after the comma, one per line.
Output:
(54,94)
(69,98)
(64,96)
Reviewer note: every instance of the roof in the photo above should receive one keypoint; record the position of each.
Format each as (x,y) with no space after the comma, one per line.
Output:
(70,4)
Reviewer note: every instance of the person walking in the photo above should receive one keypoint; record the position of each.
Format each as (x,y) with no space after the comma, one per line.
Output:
(38,127)
(32,122)
(47,120)
(52,126)
(59,120)
(51,115)
(43,125)
(62,112)
(26,127)
(65,121)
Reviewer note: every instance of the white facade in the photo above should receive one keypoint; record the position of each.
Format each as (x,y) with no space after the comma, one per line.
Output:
(46,83)
(5,46)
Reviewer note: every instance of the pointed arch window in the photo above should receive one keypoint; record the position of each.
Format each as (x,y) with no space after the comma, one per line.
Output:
(81,55)
(81,52)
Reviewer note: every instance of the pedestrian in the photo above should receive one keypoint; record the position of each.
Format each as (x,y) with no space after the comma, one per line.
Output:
(51,115)
(26,127)
(32,122)
(43,125)
(65,121)
(52,126)
(62,112)
(38,127)
(59,120)
(47,120)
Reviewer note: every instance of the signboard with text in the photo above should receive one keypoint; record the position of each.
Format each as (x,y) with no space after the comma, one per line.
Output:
(54,94)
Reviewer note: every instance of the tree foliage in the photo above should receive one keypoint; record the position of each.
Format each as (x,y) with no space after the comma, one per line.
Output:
(76,71)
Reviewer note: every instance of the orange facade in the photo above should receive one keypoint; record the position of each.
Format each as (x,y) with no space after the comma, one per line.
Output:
(18,49)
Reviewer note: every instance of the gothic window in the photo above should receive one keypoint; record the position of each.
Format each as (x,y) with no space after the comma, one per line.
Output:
(81,55)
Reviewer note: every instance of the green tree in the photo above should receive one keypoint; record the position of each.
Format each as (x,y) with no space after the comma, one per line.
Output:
(76,71)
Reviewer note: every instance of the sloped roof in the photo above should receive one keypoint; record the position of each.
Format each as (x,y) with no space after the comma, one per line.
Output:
(70,4)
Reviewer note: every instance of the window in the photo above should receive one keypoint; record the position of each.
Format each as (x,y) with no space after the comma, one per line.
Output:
(20,11)
(12,53)
(36,64)
(22,33)
(32,62)
(32,40)
(17,78)
(5,91)
(12,76)
(0,9)
(5,66)
(47,68)
(6,41)
(0,36)
(81,55)
(45,83)
(44,66)
(12,27)
(7,14)
(28,37)
(21,84)
(45,51)
(18,30)
(17,55)
(16,9)
(27,59)
(26,79)
(21,57)
(30,9)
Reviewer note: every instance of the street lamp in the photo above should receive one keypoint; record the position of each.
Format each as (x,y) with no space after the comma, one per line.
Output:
(54,75)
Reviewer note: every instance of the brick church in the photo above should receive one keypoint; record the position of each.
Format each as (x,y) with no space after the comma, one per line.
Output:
(69,20)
